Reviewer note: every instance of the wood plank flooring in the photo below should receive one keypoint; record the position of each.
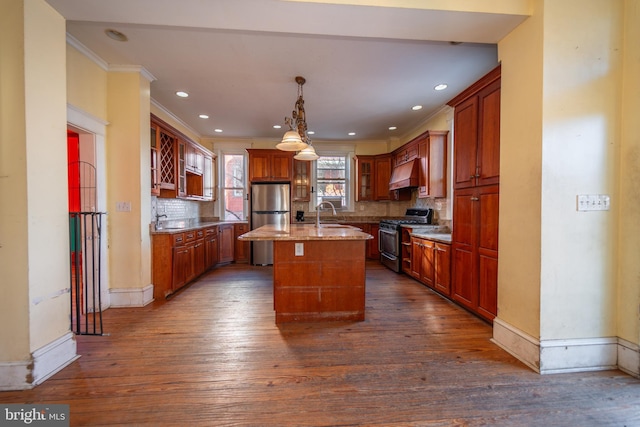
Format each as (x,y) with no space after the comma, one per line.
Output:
(213,356)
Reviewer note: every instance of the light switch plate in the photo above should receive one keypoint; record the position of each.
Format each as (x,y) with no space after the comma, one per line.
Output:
(299,251)
(593,202)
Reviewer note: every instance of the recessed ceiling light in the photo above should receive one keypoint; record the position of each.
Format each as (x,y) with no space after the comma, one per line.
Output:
(203,116)
(352,133)
(311,132)
(217,130)
(392,128)
(277,126)
(116,35)
(441,86)
(416,107)
(182,94)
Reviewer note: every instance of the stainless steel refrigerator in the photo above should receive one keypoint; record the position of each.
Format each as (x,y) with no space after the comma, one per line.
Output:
(270,204)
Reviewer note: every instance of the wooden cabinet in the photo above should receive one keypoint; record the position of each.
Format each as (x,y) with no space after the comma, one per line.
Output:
(382,177)
(475,249)
(199,256)
(270,165)
(365,176)
(226,243)
(180,168)
(405,153)
(211,250)
(373,245)
(477,134)
(242,248)
(474,278)
(405,250)
(155,156)
(431,264)
(301,184)
(432,152)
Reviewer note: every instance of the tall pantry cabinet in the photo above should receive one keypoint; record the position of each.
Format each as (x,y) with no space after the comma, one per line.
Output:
(476,190)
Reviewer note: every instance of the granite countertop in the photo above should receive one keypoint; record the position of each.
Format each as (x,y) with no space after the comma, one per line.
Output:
(437,233)
(179,226)
(305,232)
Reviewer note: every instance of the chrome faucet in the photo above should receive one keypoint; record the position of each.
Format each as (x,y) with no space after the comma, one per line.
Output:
(318,212)
(158,219)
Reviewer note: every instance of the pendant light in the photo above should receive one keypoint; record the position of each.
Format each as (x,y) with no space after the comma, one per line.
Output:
(296,139)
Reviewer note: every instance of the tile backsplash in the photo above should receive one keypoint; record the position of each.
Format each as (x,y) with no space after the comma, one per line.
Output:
(174,208)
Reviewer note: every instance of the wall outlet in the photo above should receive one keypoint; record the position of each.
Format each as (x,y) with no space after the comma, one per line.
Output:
(593,202)
(299,250)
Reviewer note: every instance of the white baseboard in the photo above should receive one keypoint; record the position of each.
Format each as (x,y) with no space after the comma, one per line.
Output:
(517,343)
(572,355)
(132,297)
(629,357)
(45,362)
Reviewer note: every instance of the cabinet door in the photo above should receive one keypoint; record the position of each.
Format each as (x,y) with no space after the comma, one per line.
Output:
(181,157)
(373,251)
(489,135)
(382,177)
(281,166)
(464,278)
(241,254)
(198,257)
(226,242)
(181,260)
(211,247)
(364,178)
(423,178)
(208,179)
(259,168)
(427,265)
(301,180)
(155,167)
(488,201)
(466,143)
(442,266)
(437,156)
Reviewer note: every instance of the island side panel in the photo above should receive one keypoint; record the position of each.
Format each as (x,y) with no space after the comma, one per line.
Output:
(326,283)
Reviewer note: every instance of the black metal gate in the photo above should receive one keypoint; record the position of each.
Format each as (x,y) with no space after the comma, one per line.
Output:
(85,232)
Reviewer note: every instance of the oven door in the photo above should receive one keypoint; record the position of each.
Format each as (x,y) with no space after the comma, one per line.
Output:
(388,241)
(389,245)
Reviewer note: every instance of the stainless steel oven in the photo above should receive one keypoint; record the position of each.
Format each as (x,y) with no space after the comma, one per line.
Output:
(389,236)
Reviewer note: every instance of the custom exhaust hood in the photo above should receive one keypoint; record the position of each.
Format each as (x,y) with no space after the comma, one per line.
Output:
(405,175)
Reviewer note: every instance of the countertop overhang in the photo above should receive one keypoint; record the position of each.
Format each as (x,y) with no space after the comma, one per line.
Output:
(305,232)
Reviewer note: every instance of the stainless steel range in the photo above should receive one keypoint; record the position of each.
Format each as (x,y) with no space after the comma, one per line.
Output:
(389,236)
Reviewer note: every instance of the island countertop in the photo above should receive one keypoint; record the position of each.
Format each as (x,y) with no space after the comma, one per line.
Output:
(305,232)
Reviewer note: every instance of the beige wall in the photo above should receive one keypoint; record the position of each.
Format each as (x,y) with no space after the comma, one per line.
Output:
(628,200)
(86,84)
(559,268)
(34,246)
(128,179)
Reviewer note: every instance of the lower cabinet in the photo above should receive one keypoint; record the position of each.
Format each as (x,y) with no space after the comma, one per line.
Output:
(211,250)
(431,264)
(242,248)
(226,242)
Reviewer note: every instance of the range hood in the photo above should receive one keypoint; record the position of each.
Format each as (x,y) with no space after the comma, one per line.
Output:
(405,175)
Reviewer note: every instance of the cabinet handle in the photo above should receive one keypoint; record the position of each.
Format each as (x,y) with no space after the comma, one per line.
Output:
(474,199)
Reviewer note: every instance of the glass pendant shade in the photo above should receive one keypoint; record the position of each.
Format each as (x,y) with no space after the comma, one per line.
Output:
(291,141)
(308,153)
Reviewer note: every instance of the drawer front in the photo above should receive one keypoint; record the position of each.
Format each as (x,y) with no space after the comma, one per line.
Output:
(199,234)
(190,236)
(211,230)
(178,239)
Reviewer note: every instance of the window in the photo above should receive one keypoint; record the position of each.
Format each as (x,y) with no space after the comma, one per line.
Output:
(333,180)
(233,205)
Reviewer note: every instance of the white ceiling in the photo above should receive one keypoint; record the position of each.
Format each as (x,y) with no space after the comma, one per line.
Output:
(365,66)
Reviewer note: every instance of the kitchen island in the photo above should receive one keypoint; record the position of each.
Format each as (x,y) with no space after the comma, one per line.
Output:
(318,273)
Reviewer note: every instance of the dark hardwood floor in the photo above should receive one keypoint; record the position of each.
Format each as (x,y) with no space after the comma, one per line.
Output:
(213,356)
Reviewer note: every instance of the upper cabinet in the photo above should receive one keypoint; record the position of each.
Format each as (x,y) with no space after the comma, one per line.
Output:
(432,152)
(373,174)
(301,183)
(180,168)
(270,165)
(365,178)
(477,134)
